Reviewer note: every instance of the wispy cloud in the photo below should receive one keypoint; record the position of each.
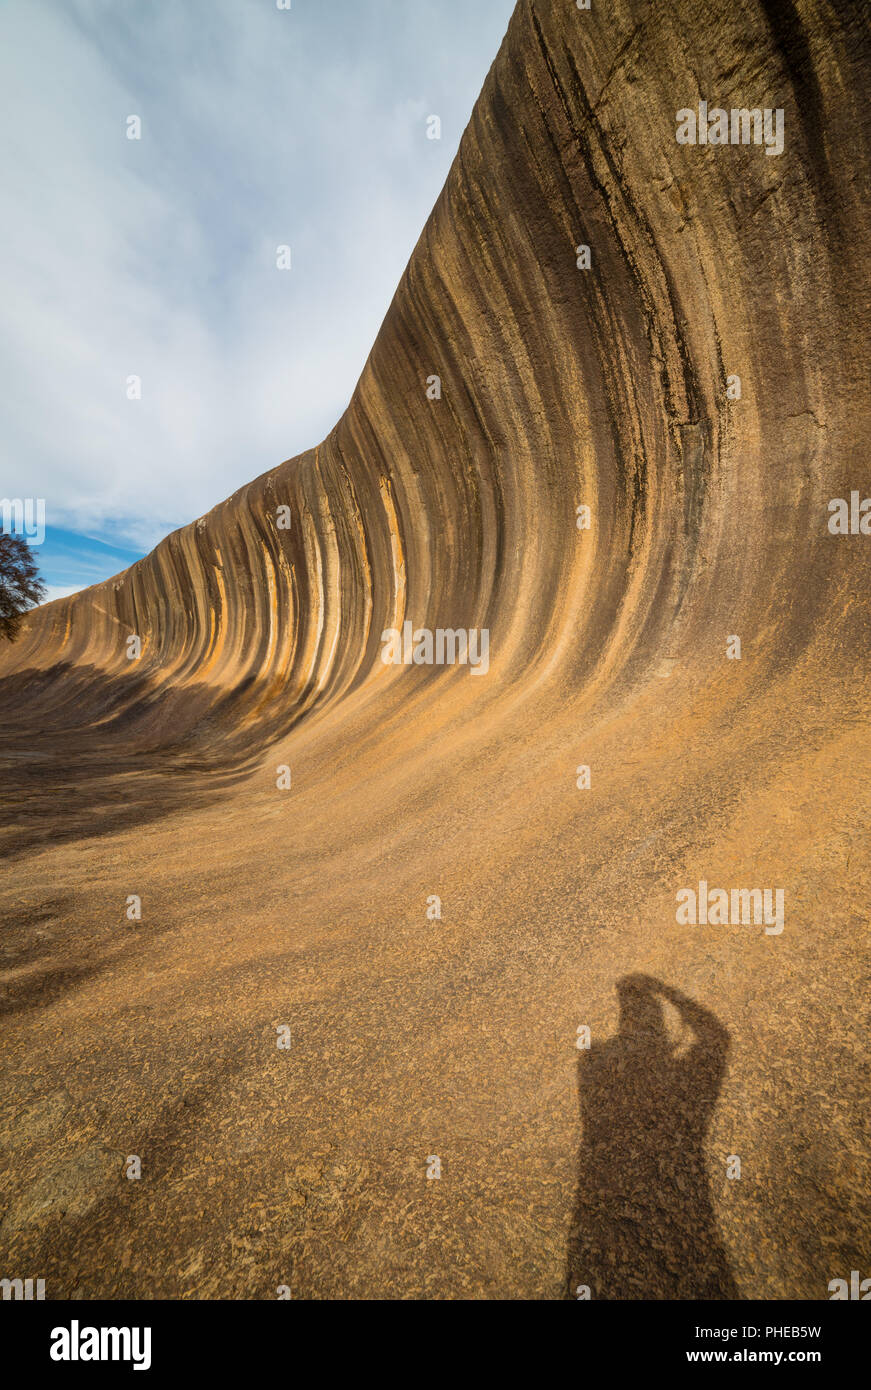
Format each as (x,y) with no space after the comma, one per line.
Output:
(157,257)
(70,561)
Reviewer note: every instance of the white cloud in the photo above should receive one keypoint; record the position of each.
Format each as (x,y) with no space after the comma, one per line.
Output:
(157,257)
(53,591)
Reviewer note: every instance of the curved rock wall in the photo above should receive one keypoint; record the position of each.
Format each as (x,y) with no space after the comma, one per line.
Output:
(605,387)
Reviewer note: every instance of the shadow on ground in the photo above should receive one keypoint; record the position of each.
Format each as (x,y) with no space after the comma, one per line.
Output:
(82,756)
(644,1225)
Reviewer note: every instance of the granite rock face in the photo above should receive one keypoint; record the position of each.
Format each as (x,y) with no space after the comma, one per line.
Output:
(674,336)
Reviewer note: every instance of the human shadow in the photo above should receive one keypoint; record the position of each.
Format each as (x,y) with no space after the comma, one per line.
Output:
(644,1225)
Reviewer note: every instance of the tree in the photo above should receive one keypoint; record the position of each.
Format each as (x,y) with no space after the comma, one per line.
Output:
(20,584)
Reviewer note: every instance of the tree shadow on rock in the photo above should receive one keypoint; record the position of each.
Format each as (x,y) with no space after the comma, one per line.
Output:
(644,1225)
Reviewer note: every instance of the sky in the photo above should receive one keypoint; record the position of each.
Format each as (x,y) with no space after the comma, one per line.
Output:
(156,258)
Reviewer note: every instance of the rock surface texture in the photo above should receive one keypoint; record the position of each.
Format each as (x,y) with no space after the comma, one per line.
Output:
(414,1037)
